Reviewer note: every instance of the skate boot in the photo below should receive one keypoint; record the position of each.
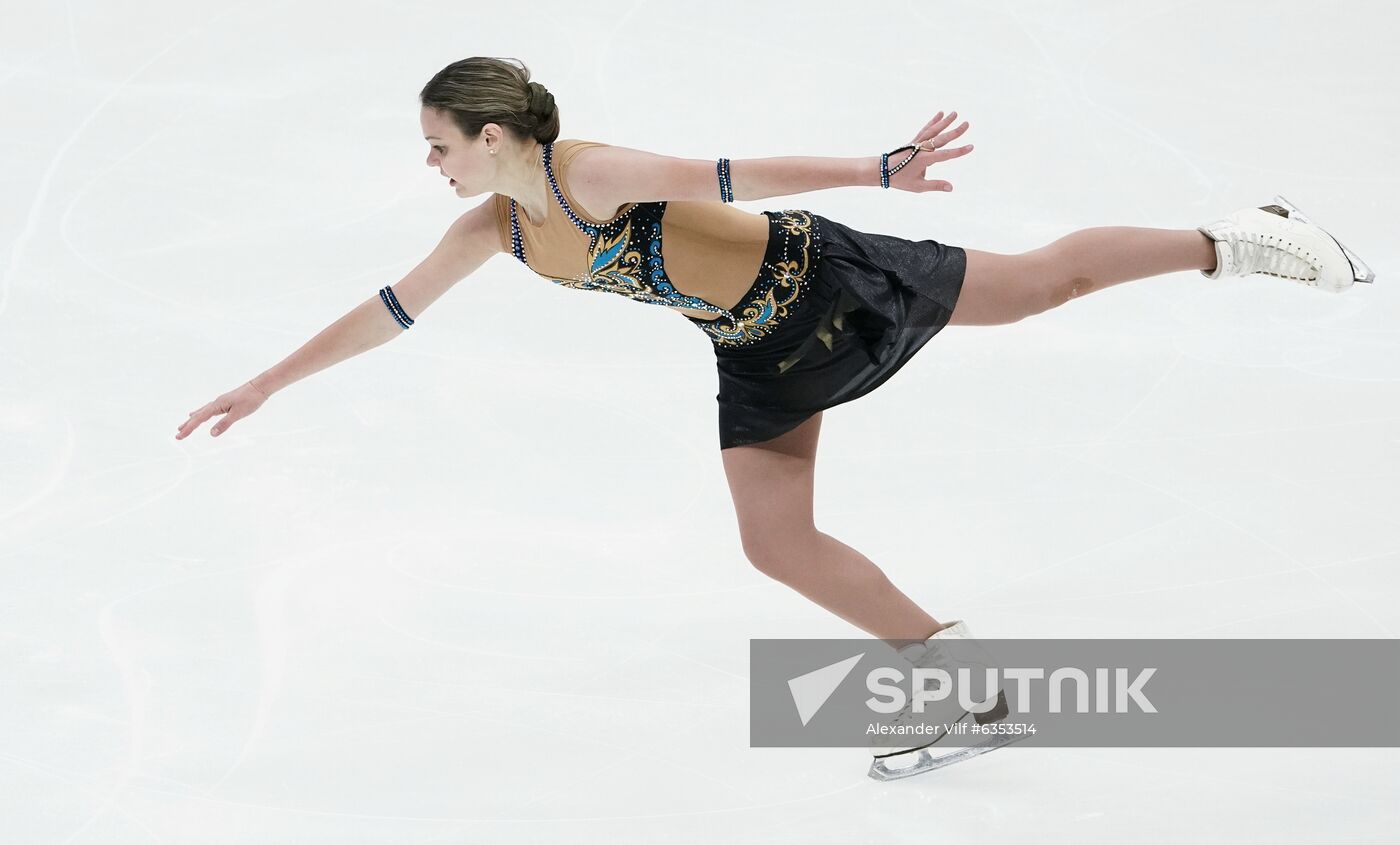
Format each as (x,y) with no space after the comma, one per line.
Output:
(1277,240)
(903,753)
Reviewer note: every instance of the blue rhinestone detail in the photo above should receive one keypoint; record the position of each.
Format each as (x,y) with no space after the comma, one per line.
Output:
(386,295)
(726,184)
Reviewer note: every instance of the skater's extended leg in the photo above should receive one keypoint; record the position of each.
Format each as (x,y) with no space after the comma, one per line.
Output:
(999,289)
(771,484)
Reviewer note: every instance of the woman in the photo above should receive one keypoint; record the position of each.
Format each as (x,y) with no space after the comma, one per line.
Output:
(804,312)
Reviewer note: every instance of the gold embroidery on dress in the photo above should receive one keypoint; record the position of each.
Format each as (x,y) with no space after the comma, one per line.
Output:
(772,298)
(612,266)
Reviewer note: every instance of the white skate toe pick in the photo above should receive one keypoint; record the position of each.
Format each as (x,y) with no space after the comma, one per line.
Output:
(1277,240)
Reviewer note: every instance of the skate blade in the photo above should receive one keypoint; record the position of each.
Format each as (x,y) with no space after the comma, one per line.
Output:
(1360,270)
(927,762)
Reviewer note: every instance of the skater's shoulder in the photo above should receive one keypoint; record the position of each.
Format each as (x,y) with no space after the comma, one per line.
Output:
(611,176)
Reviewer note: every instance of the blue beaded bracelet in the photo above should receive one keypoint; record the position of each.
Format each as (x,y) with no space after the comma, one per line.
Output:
(386,295)
(885,170)
(726,185)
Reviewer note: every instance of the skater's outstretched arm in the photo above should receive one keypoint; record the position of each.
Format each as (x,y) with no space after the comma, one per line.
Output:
(469,242)
(613,176)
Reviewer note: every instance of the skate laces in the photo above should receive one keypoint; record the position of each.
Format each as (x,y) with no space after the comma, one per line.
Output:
(932,657)
(1257,252)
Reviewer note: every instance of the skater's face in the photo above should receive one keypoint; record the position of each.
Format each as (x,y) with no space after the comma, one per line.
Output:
(469,165)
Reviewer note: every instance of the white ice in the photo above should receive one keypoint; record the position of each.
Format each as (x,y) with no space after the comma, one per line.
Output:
(484,583)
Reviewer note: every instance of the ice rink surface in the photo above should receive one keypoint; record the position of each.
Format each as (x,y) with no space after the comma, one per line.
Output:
(484,583)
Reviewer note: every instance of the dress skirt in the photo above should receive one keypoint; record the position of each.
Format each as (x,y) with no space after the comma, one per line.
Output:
(834,313)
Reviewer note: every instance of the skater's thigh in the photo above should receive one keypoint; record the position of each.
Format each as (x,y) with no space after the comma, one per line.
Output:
(771,483)
(1000,289)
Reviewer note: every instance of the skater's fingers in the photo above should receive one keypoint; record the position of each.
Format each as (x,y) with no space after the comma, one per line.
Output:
(945,137)
(222,425)
(943,124)
(196,419)
(186,427)
(942,139)
(928,127)
(944,155)
(933,127)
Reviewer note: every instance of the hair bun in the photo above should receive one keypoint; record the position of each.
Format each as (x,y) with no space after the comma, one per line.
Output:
(479,90)
(541,101)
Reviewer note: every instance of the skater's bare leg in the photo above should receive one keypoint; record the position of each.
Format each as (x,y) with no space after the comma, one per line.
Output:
(1000,289)
(772,486)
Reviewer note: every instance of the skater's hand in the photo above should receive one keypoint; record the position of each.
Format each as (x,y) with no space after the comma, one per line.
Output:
(929,141)
(236,404)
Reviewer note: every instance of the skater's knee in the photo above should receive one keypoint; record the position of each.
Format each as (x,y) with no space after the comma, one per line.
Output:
(1062,290)
(766,554)
(779,554)
(1053,280)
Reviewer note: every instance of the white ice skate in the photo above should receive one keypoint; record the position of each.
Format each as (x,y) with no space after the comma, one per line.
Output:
(1277,240)
(896,756)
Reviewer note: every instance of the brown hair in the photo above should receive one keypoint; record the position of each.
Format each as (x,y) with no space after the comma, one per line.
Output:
(482,90)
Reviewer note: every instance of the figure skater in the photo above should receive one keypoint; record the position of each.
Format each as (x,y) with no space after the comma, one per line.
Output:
(804,313)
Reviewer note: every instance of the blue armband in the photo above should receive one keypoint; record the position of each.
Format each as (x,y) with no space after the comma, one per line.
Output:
(392,303)
(726,190)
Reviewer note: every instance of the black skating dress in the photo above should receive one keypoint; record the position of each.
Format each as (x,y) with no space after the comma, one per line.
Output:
(832,314)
